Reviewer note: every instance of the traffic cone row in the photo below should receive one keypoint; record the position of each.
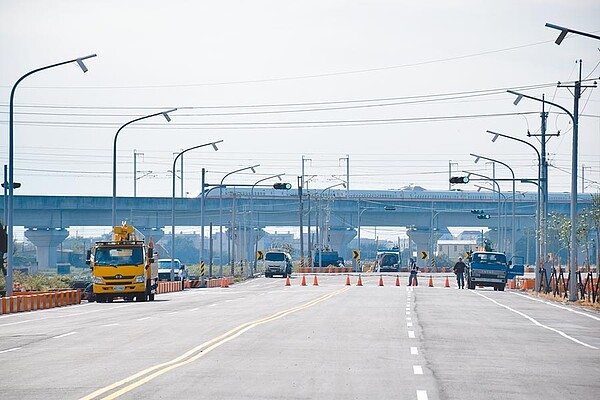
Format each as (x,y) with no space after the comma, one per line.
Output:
(358,282)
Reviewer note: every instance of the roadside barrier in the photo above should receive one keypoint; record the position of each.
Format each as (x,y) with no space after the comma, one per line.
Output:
(168,287)
(330,269)
(211,282)
(33,301)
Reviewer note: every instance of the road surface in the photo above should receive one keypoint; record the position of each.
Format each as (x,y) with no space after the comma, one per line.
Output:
(264,340)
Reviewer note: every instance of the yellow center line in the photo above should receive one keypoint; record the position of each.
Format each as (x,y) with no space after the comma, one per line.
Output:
(197,352)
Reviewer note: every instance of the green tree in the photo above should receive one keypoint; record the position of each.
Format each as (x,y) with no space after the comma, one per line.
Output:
(594,215)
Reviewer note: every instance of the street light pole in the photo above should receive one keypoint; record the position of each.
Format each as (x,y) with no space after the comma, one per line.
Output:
(10,214)
(278,176)
(512,240)
(221,213)
(499,204)
(165,114)
(575,119)
(542,201)
(180,154)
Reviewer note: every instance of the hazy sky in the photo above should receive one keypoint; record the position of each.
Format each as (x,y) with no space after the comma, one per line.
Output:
(401,87)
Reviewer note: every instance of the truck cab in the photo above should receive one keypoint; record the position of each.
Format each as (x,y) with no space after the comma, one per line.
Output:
(277,262)
(487,268)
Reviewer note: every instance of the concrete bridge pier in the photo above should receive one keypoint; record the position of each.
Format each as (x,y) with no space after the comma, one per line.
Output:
(46,241)
(155,233)
(338,239)
(425,241)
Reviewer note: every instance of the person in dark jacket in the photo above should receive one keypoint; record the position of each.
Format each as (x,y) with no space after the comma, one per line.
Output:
(412,279)
(459,269)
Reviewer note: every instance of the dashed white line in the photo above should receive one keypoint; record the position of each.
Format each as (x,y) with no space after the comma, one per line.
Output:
(409,324)
(418,370)
(64,335)
(9,350)
(194,309)
(422,395)
(408,313)
(414,351)
(143,318)
(109,325)
(411,334)
(212,305)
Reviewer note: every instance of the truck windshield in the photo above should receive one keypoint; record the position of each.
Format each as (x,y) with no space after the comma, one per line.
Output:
(275,257)
(119,256)
(166,264)
(488,258)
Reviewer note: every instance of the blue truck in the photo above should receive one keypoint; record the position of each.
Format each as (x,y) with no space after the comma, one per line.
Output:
(326,258)
(489,268)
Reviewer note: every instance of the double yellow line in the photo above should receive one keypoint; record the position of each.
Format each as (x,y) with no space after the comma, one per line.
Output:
(197,352)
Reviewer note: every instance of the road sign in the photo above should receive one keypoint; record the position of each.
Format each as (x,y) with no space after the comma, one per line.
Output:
(260,254)
(356,254)
(424,255)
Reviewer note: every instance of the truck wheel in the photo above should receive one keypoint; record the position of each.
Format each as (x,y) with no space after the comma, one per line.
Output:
(501,288)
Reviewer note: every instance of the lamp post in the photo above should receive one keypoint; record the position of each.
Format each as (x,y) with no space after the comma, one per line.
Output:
(214,145)
(114,169)
(278,176)
(564,31)
(575,119)
(221,213)
(9,217)
(542,201)
(499,204)
(320,243)
(512,228)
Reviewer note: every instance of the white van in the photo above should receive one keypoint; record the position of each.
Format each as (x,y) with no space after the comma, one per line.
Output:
(277,262)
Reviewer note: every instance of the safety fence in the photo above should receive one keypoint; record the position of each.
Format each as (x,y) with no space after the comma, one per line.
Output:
(167,287)
(558,284)
(324,270)
(32,301)
(212,282)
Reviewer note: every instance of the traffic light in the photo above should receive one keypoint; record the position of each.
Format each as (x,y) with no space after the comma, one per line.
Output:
(483,216)
(459,179)
(282,186)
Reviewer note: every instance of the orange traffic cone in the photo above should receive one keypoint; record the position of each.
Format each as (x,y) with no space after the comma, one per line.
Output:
(447,283)
(224,283)
(315,281)
(287,281)
(430,281)
(347,280)
(359,283)
(397,280)
(380,280)
(303,280)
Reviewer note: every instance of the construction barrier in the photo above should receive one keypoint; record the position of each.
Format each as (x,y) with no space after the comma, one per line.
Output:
(211,282)
(168,287)
(32,301)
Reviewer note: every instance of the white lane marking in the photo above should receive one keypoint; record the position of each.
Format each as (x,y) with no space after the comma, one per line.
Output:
(534,321)
(212,305)
(9,350)
(65,335)
(53,310)
(143,319)
(172,312)
(422,395)
(418,370)
(108,325)
(558,306)
(194,309)
(408,318)
(409,324)
(414,351)
(411,334)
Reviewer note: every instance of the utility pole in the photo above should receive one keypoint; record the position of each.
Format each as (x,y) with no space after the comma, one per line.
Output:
(301,205)
(347,159)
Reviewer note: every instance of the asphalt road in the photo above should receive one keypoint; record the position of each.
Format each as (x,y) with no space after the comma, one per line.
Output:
(263,340)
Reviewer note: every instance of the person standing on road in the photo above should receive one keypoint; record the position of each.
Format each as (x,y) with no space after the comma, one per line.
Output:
(412,279)
(459,269)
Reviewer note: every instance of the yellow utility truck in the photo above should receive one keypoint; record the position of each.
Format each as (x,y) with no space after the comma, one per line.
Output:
(123,267)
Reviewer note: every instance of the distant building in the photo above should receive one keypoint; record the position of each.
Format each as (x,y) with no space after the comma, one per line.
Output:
(454,248)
